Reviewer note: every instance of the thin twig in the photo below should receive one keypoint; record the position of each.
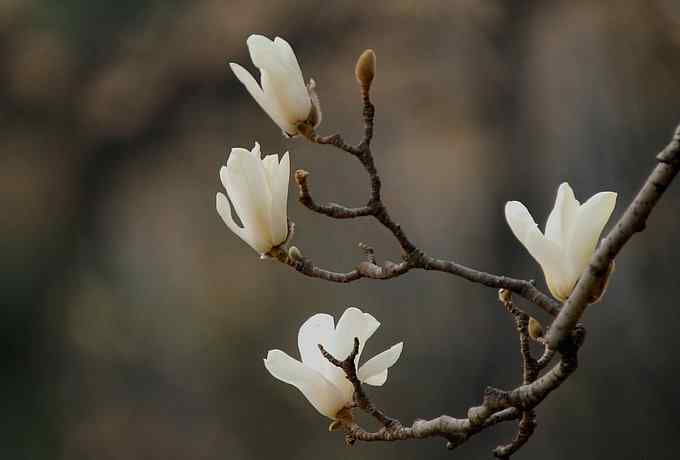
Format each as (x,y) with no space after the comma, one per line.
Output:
(413,257)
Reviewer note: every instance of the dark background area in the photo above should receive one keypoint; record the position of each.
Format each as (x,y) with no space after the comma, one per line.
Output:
(133,323)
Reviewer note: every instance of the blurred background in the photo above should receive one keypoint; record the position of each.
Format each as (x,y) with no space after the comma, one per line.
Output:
(133,323)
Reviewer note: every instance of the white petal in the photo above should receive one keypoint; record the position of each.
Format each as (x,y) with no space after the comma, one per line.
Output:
(353,323)
(585,233)
(256,152)
(377,380)
(224,210)
(562,215)
(287,55)
(319,392)
(544,251)
(275,87)
(297,91)
(281,80)
(380,363)
(270,107)
(316,330)
(264,54)
(270,163)
(245,181)
(279,190)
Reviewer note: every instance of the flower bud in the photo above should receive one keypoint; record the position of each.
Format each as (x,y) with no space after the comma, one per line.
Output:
(365,69)
(300,176)
(315,115)
(535,328)
(504,295)
(282,92)
(258,189)
(295,254)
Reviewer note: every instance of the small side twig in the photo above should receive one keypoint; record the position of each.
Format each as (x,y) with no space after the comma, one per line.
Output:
(348,365)
(375,207)
(530,370)
(333,210)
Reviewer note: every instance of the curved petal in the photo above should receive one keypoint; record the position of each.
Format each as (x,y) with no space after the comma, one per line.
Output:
(544,251)
(316,330)
(319,392)
(287,55)
(297,93)
(256,151)
(562,216)
(353,323)
(377,380)
(270,107)
(585,233)
(279,189)
(380,363)
(275,88)
(264,54)
(281,80)
(270,163)
(224,210)
(244,179)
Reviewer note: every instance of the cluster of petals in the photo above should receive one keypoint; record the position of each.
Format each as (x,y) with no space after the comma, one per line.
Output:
(324,385)
(282,93)
(571,236)
(258,190)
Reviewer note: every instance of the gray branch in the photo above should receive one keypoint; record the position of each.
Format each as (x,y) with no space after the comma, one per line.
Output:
(497,405)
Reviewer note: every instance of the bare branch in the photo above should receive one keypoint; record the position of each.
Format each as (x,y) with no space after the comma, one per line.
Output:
(524,288)
(413,257)
(526,427)
(564,336)
(497,406)
(633,220)
(333,210)
(530,370)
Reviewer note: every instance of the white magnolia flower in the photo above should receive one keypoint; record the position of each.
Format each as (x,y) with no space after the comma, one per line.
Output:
(571,235)
(283,94)
(323,384)
(258,189)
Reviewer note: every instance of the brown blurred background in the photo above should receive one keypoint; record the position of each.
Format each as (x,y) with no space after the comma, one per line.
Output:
(134,323)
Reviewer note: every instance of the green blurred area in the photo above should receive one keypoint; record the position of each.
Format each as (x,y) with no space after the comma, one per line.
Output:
(134,323)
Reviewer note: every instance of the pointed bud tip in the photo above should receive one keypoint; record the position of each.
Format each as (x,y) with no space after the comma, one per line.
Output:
(365,68)
(535,328)
(295,254)
(301,175)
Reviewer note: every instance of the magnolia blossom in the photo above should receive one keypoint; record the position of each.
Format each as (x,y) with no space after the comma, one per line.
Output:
(282,94)
(324,385)
(571,235)
(258,189)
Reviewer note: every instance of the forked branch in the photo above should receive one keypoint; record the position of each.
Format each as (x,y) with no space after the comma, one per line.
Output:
(497,405)
(564,336)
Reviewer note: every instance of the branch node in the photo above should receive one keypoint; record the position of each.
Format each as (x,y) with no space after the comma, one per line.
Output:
(369,251)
